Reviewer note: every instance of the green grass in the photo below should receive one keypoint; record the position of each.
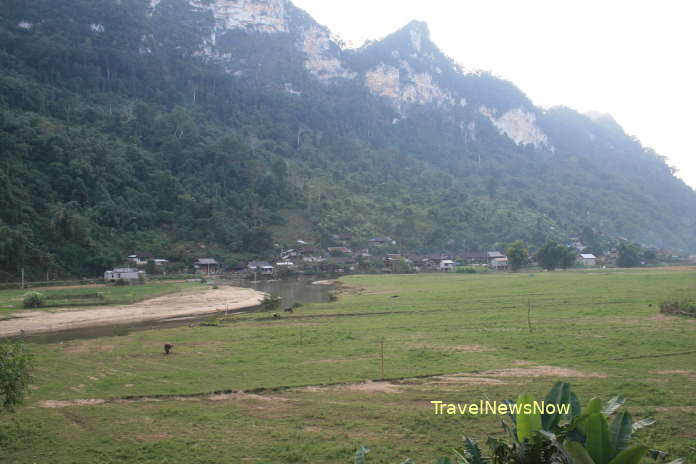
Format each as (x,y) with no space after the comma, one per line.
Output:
(11,300)
(604,325)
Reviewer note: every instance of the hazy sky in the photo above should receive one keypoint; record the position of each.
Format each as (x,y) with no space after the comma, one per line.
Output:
(633,59)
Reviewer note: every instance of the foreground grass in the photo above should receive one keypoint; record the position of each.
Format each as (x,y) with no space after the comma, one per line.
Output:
(602,327)
(11,300)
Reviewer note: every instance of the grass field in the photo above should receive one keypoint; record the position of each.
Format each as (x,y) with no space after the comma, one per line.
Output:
(456,338)
(61,297)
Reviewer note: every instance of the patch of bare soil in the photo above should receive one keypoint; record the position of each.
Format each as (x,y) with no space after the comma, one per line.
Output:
(523,363)
(324,282)
(467,380)
(541,371)
(366,387)
(674,371)
(67,287)
(164,307)
(671,318)
(53,404)
(246,396)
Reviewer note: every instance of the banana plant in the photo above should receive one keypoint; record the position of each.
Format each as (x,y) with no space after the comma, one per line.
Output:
(595,434)
(568,435)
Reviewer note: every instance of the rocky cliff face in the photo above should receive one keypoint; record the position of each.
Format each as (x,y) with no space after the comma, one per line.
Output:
(406,69)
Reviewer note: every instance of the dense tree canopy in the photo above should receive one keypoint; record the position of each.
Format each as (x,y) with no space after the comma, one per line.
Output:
(117,134)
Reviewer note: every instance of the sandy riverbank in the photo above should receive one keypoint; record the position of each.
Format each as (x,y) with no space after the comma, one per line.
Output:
(188,303)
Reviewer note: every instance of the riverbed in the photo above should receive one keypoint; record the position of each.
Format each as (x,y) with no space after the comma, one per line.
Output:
(299,291)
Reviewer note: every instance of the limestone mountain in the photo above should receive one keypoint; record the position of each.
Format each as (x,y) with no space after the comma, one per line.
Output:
(179,126)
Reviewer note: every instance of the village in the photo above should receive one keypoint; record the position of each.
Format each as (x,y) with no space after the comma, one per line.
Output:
(347,254)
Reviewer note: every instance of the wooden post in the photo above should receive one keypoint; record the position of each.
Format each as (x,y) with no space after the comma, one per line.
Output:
(381,349)
(22,278)
(529,314)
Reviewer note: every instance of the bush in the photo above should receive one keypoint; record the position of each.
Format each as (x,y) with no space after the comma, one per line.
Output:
(472,270)
(34,300)
(271,303)
(121,283)
(466,270)
(15,377)
(682,308)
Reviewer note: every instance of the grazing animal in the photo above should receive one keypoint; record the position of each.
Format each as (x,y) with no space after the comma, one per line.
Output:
(168,348)
(288,310)
(21,332)
(276,316)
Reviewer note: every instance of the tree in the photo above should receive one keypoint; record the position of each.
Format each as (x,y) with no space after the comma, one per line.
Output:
(567,257)
(549,256)
(517,254)
(15,377)
(629,255)
(151,267)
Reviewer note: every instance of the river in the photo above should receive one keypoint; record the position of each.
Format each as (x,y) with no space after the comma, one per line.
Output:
(300,291)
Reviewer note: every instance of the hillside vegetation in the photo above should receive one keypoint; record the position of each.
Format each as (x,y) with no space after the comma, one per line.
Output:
(118,134)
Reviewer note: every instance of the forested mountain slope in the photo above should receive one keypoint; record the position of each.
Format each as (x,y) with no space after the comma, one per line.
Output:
(192,127)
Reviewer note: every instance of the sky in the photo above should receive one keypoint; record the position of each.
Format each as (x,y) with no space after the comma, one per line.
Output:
(635,60)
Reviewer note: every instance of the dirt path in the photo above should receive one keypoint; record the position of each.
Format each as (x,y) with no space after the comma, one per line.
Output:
(165,307)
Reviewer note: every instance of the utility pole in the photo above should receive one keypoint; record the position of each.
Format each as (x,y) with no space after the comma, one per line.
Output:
(22,278)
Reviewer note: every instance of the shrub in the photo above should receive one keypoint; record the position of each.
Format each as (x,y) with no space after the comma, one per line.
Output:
(472,270)
(15,377)
(682,308)
(271,303)
(34,300)
(466,270)
(121,283)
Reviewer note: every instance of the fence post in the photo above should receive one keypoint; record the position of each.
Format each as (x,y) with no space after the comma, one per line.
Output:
(381,349)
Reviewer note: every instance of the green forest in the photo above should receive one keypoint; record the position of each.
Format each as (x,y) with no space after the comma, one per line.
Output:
(117,134)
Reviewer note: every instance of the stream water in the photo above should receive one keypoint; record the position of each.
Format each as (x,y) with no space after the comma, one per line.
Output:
(291,291)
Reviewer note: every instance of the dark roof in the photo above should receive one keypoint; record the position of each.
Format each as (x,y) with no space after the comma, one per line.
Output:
(474,255)
(259,264)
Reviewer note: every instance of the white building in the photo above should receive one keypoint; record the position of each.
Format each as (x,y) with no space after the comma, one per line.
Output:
(262,267)
(446,265)
(588,259)
(123,273)
(499,263)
